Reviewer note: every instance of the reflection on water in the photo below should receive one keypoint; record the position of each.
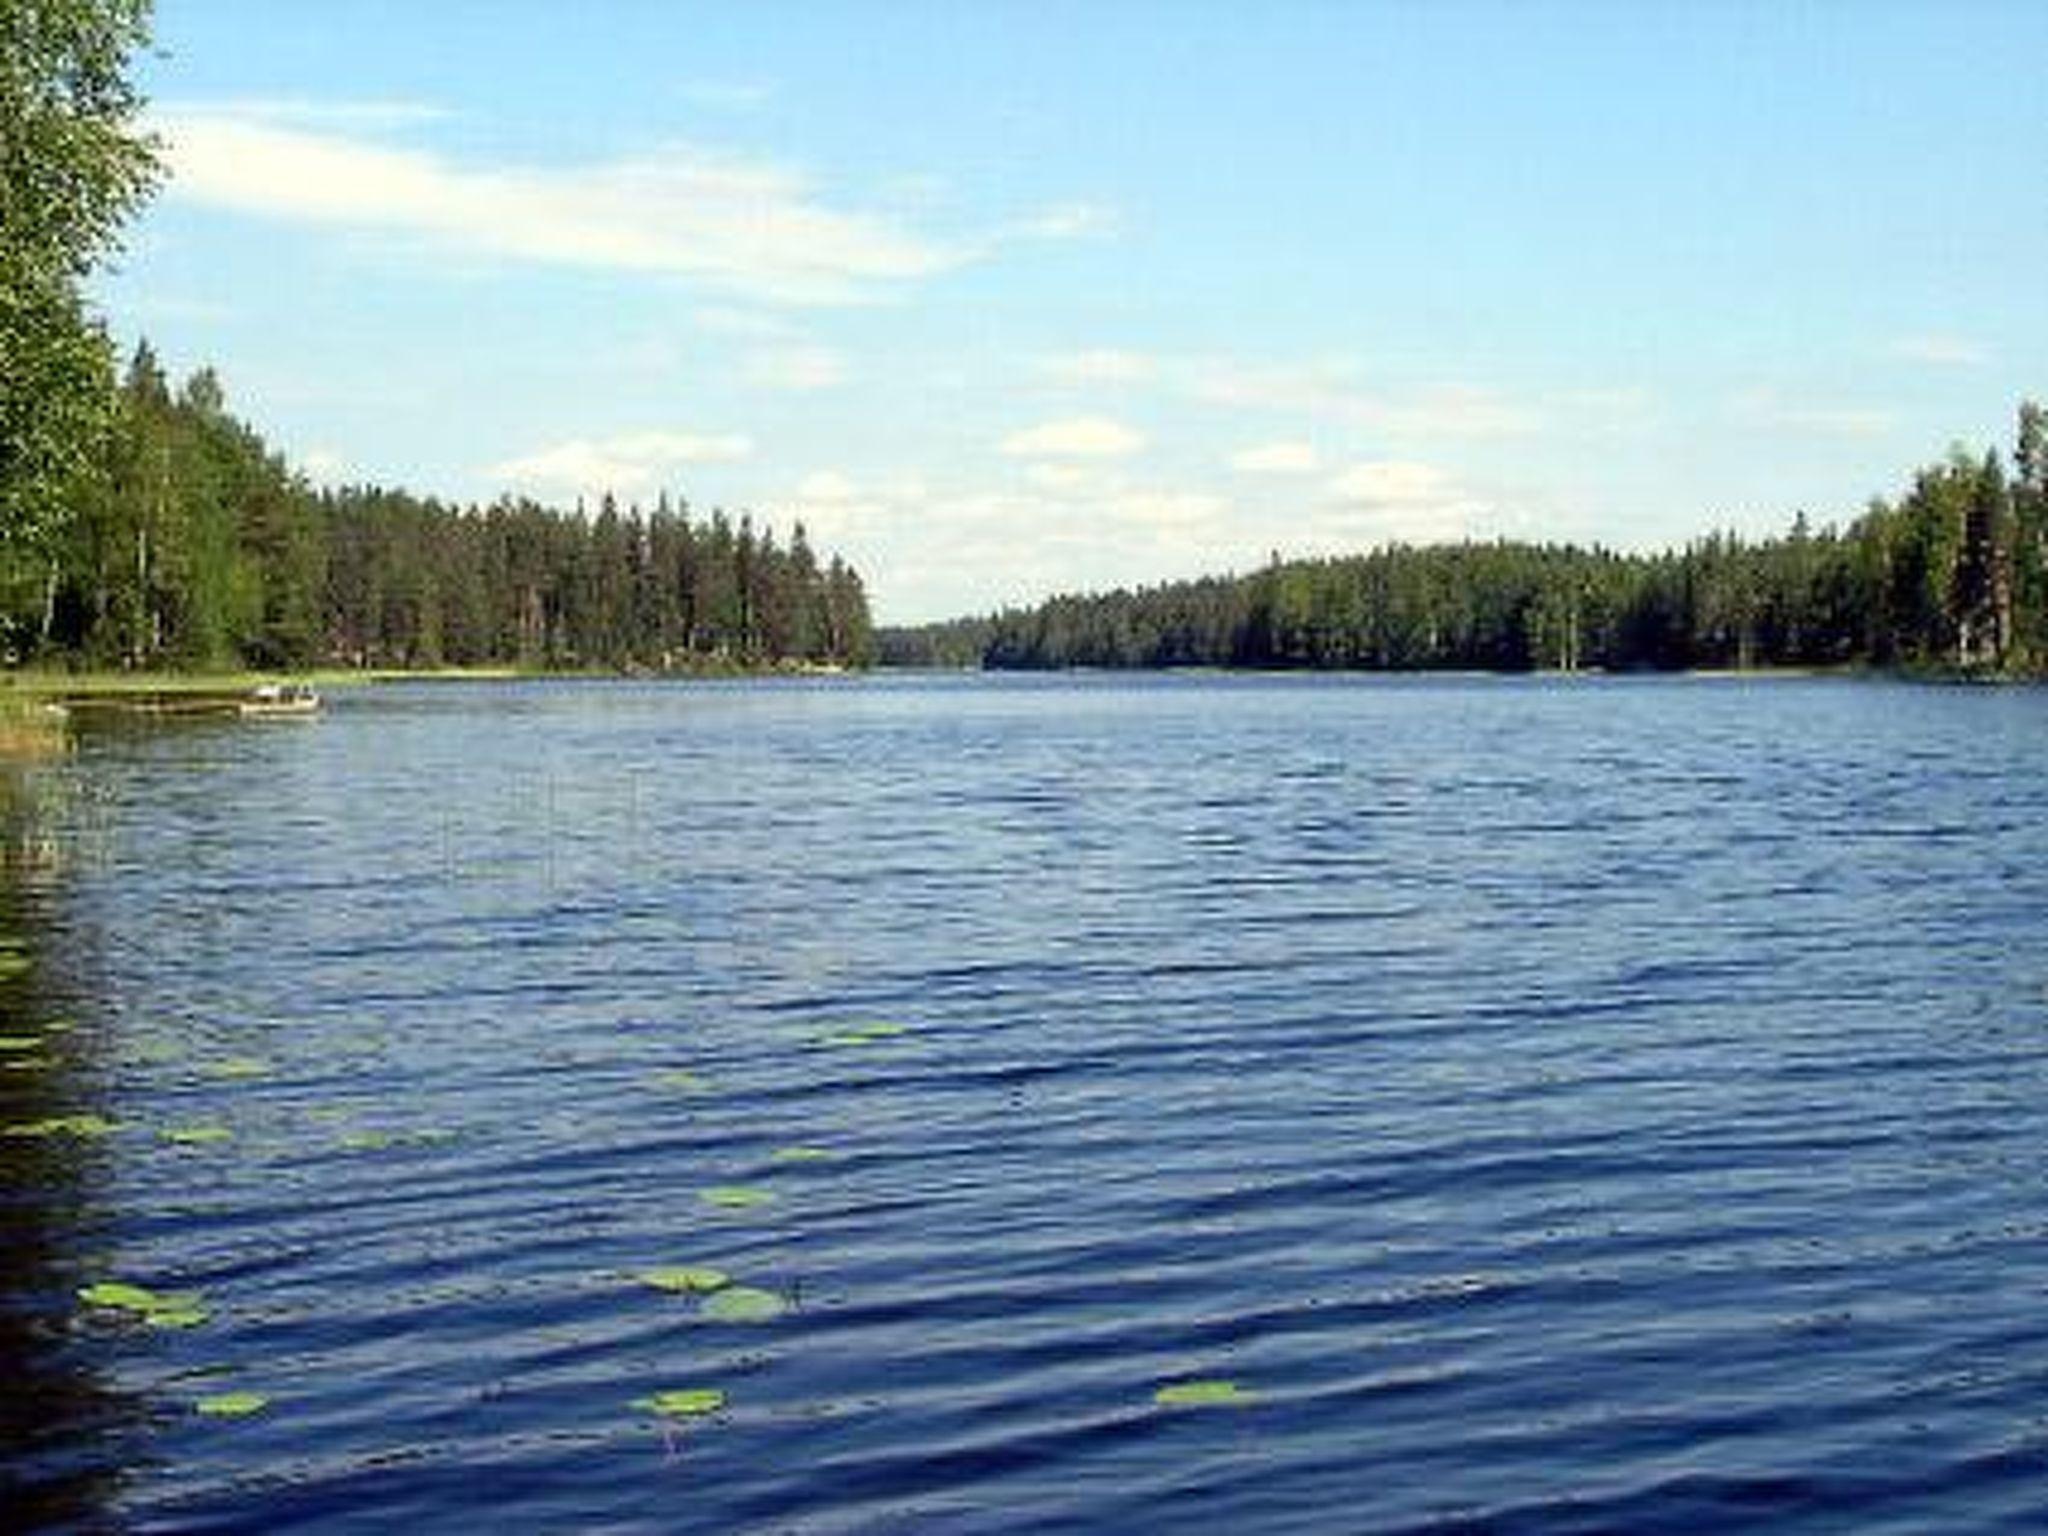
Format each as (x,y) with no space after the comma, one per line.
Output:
(64,1430)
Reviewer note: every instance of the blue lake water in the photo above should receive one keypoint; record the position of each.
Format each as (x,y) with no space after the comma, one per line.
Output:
(1556,1106)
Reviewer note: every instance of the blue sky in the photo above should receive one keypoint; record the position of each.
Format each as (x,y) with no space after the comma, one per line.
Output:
(1010,298)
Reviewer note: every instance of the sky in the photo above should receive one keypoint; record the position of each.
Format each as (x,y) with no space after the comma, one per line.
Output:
(1017,297)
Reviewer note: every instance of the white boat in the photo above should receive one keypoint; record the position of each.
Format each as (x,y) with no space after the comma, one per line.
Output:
(280,699)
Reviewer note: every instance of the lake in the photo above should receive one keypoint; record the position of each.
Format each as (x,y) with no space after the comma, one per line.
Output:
(1498,1105)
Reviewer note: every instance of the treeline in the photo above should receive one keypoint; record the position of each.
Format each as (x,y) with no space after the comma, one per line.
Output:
(1953,575)
(193,545)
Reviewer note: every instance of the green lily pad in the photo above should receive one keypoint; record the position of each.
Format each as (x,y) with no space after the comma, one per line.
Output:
(121,1296)
(801,1155)
(64,1125)
(682,1402)
(1204,1394)
(735,1197)
(196,1135)
(156,1308)
(232,1405)
(865,1034)
(744,1304)
(689,1279)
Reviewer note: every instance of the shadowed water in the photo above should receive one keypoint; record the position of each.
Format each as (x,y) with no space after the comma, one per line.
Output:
(1597,1106)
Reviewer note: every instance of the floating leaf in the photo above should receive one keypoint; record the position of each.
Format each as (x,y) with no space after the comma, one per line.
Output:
(178,1314)
(866,1034)
(735,1197)
(744,1304)
(158,1309)
(64,1125)
(801,1155)
(1204,1394)
(688,1279)
(232,1405)
(197,1135)
(683,1402)
(119,1294)
(241,1068)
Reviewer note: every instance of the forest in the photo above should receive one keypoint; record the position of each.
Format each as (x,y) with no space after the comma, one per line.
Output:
(1950,577)
(191,545)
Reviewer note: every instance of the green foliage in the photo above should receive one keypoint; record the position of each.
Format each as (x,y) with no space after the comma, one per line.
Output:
(1953,577)
(193,545)
(73,168)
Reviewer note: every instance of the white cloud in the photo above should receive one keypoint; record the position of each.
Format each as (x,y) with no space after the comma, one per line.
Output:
(1100,365)
(1390,482)
(628,464)
(1941,351)
(1332,388)
(1061,477)
(1769,407)
(749,227)
(1277,459)
(323,466)
(795,368)
(1082,437)
(730,320)
(826,485)
(1068,221)
(1382,499)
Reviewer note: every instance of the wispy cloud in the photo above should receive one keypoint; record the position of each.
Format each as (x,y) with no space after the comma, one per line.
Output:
(1068,221)
(797,368)
(1334,390)
(1100,365)
(628,464)
(1941,351)
(1077,437)
(1381,499)
(1771,408)
(1277,459)
(748,227)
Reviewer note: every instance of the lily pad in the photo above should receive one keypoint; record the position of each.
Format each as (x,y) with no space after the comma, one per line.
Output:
(735,1197)
(232,1405)
(865,1034)
(688,1279)
(122,1296)
(196,1135)
(179,1315)
(64,1125)
(1204,1394)
(682,1402)
(744,1304)
(156,1308)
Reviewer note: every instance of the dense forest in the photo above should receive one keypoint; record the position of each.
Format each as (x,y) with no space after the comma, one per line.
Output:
(1951,576)
(191,544)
